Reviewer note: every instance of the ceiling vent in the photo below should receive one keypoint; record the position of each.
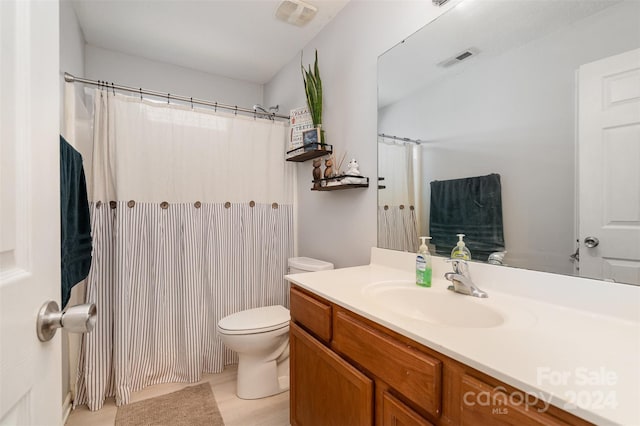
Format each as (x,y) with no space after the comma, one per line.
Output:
(459,57)
(296,12)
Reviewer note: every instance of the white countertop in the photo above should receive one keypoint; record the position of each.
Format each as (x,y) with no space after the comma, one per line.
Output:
(573,343)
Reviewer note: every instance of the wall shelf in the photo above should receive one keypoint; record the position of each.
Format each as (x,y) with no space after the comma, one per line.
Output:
(326,185)
(308,152)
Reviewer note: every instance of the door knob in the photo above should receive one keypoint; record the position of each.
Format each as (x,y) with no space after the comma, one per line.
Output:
(591,242)
(76,319)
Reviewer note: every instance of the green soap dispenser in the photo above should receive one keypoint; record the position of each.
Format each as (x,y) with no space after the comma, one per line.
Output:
(423,264)
(460,251)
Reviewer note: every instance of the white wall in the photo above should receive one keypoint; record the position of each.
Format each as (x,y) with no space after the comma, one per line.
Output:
(134,71)
(341,226)
(71,48)
(515,116)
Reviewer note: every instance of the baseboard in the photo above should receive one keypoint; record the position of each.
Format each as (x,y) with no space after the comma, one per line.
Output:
(66,408)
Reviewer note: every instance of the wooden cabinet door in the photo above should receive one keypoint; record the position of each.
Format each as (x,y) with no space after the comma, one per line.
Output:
(326,390)
(395,413)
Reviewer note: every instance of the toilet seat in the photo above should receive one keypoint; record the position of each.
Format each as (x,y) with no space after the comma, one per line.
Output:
(253,321)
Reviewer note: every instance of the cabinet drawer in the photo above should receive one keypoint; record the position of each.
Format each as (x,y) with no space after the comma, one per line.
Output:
(312,314)
(395,413)
(415,375)
(484,404)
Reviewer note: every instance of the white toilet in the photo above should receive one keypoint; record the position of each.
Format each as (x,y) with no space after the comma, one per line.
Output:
(260,336)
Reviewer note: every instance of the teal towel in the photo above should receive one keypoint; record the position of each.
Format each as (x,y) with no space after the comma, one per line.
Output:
(75,223)
(470,206)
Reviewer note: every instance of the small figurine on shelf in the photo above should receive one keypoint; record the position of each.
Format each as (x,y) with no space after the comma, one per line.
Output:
(329,173)
(328,168)
(317,173)
(353,170)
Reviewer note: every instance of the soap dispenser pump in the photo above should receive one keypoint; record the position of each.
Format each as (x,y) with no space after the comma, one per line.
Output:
(423,264)
(460,251)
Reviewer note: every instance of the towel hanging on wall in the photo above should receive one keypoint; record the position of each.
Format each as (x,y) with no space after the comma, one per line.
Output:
(470,206)
(75,225)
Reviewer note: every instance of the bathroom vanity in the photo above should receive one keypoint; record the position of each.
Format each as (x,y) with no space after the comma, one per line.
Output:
(369,347)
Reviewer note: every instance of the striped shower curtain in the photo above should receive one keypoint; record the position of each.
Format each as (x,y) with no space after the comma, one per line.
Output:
(399,201)
(397,228)
(192,219)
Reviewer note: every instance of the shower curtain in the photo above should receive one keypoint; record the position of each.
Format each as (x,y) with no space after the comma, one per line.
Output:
(399,202)
(192,220)
(397,228)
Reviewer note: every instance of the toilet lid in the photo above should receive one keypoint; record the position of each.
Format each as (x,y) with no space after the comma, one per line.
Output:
(258,320)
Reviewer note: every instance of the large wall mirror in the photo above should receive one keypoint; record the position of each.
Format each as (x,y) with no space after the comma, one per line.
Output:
(516,123)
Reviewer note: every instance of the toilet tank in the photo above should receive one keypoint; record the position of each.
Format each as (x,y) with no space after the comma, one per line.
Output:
(307,264)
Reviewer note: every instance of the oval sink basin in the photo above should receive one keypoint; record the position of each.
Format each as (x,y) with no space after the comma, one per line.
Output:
(446,308)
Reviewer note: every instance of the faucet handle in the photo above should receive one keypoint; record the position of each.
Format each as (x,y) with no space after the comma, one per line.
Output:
(460,266)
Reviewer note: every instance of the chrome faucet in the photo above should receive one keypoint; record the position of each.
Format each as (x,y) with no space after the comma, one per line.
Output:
(461,279)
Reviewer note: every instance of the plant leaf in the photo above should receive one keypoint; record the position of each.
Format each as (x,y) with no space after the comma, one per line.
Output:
(313,89)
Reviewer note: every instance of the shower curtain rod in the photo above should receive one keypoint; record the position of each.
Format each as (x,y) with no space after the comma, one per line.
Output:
(398,138)
(71,79)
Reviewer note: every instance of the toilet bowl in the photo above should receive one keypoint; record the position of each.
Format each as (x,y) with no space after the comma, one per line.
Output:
(260,336)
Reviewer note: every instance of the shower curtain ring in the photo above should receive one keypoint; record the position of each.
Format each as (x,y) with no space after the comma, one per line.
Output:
(141,93)
(168,96)
(236,111)
(113,88)
(215,108)
(192,102)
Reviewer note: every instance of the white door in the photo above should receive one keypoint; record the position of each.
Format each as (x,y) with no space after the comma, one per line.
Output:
(30,371)
(609,168)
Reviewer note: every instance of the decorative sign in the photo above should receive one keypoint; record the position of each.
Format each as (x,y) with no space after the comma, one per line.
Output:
(299,121)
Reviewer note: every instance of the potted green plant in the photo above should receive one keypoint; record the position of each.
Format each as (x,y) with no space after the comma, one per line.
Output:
(313,91)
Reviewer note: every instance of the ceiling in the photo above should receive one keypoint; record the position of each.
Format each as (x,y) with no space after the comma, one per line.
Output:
(240,39)
(491,28)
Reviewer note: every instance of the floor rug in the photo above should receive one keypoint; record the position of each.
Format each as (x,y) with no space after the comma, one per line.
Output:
(191,406)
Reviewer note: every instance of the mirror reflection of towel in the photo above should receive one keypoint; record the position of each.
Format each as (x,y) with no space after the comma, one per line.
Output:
(75,225)
(470,206)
